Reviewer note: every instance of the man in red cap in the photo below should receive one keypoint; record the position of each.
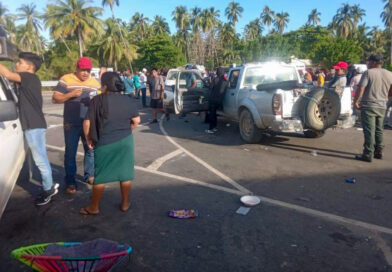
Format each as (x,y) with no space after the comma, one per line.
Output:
(340,79)
(75,90)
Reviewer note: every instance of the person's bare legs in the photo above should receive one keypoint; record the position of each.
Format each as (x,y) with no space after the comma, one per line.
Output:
(125,192)
(93,208)
(155,114)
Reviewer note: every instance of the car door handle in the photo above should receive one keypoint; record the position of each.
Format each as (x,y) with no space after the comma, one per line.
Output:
(14,126)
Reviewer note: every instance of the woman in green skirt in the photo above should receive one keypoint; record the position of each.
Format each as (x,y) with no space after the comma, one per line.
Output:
(108,129)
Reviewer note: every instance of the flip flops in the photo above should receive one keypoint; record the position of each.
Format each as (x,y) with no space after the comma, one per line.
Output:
(84,211)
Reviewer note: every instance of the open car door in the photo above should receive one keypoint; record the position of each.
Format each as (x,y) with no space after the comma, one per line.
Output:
(188,98)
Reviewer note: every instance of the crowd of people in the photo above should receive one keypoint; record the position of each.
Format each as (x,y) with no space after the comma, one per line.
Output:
(371,95)
(100,113)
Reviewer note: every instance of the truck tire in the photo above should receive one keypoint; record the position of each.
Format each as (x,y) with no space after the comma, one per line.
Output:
(250,133)
(321,109)
(310,133)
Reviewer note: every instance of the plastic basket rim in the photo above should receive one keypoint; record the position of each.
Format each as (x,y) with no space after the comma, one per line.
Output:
(16,253)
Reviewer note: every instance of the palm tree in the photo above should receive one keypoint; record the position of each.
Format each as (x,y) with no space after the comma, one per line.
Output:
(111,4)
(357,13)
(314,18)
(32,17)
(139,24)
(281,21)
(233,12)
(343,21)
(227,33)
(110,48)
(267,17)
(3,12)
(73,18)
(195,19)
(253,30)
(10,27)
(386,17)
(160,25)
(181,18)
(209,19)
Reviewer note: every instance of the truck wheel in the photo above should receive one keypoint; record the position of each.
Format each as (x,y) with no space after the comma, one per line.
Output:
(250,133)
(322,109)
(310,133)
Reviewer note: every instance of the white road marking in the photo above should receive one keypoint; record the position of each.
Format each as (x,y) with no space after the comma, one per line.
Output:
(205,164)
(55,126)
(189,180)
(311,212)
(185,179)
(155,165)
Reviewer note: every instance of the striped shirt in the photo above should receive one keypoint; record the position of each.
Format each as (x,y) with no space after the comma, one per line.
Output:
(75,109)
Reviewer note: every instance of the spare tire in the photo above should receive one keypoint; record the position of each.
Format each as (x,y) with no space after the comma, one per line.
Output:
(321,109)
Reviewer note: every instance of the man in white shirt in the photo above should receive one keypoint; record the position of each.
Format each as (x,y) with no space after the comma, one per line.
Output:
(143,86)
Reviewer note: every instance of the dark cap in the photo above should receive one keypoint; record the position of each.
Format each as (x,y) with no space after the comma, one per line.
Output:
(376,58)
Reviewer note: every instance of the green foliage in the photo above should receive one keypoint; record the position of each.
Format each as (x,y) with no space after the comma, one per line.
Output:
(159,51)
(338,49)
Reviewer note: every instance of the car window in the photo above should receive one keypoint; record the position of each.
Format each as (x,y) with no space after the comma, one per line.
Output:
(187,79)
(172,75)
(233,79)
(269,74)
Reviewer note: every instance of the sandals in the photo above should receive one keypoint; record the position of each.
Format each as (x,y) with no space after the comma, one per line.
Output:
(71,189)
(84,211)
(125,210)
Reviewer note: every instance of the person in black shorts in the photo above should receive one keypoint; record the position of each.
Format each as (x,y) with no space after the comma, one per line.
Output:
(157,91)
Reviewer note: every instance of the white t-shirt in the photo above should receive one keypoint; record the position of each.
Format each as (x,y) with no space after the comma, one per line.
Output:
(142,80)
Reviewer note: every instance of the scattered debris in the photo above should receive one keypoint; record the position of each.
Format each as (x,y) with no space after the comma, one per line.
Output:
(243,210)
(246,149)
(250,200)
(183,214)
(360,129)
(294,245)
(351,180)
(314,153)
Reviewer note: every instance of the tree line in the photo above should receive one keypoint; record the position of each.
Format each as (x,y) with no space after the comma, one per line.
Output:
(201,37)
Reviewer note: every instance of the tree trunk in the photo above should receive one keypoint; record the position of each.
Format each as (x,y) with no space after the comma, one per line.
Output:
(66,45)
(390,49)
(115,64)
(80,42)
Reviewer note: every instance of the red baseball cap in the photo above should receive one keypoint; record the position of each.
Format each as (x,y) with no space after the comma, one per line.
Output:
(340,65)
(84,63)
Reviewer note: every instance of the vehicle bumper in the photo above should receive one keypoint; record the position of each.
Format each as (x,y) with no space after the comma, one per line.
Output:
(288,126)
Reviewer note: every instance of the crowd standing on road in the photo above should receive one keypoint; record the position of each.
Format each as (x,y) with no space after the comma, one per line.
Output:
(104,122)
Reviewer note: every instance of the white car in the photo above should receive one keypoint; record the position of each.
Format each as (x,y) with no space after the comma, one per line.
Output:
(12,148)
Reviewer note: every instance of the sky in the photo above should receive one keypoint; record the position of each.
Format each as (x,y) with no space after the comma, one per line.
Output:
(298,9)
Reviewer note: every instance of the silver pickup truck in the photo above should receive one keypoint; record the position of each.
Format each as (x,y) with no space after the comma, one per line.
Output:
(264,97)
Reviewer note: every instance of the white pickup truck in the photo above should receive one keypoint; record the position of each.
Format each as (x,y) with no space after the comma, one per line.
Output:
(270,96)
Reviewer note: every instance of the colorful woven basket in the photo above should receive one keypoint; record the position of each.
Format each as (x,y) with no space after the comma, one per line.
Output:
(33,256)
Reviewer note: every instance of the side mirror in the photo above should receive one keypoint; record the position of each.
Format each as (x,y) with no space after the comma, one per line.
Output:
(8,111)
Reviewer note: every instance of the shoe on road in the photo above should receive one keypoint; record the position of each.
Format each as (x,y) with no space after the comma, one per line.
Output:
(209,131)
(363,158)
(45,197)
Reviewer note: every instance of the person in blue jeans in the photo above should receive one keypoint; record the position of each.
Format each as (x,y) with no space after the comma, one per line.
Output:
(75,90)
(32,118)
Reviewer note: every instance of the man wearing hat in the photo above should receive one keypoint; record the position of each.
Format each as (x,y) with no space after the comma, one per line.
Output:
(372,99)
(340,79)
(75,90)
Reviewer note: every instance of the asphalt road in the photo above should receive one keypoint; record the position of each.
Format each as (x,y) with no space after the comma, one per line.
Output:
(310,219)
